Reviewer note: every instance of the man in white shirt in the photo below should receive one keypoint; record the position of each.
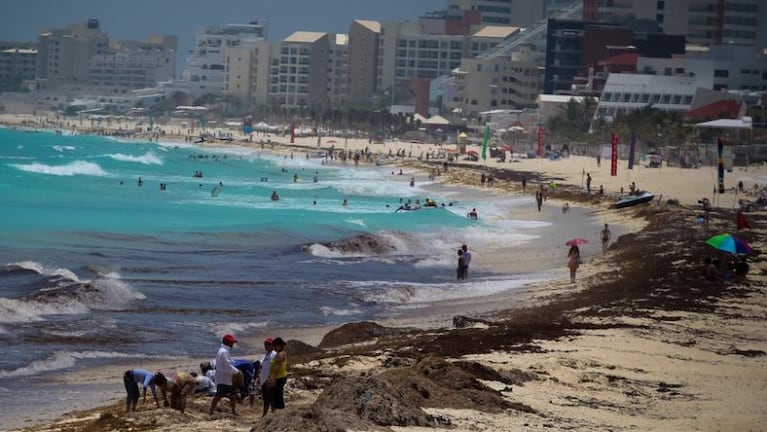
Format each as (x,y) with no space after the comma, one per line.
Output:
(224,372)
(267,393)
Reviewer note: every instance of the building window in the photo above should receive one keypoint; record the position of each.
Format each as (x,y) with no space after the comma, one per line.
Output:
(721,73)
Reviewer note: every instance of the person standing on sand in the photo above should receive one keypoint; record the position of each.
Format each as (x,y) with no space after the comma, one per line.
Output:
(278,374)
(267,393)
(605,239)
(573,261)
(131,380)
(224,373)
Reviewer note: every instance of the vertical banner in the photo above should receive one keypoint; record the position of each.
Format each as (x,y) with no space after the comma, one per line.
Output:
(485,140)
(614,160)
(632,149)
(720,163)
(292,133)
(540,142)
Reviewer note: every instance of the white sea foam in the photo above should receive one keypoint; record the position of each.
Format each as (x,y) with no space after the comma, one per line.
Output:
(111,293)
(15,311)
(417,294)
(329,311)
(58,361)
(359,222)
(70,169)
(77,297)
(148,158)
(220,329)
(61,148)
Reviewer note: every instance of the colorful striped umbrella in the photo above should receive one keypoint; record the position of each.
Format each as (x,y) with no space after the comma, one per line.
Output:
(729,243)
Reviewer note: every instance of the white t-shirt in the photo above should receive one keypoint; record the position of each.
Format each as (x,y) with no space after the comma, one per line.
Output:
(224,367)
(266,365)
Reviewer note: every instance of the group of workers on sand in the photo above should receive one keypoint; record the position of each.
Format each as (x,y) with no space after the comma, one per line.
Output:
(224,377)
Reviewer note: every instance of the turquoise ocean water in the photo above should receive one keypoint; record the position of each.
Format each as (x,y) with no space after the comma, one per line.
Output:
(94,267)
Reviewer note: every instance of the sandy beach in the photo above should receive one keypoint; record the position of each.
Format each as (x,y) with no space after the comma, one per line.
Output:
(641,342)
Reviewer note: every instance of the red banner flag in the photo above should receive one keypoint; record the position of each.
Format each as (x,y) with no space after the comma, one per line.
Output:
(614,161)
(540,142)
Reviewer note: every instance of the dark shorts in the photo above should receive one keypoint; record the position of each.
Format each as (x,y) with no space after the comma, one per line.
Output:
(131,387)
(224,390)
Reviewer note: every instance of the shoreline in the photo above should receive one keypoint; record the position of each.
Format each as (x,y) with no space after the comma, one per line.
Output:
(580,336)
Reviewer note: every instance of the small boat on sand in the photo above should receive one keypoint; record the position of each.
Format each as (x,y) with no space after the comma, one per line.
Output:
(633,199)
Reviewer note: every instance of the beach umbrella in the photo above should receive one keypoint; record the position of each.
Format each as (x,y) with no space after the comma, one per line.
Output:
(729,243)
(472,153)
(576,241)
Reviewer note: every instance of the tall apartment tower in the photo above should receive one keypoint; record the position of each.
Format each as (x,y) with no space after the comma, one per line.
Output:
(363,58)
(205,67)
(300,70)
(710,22)
(247,73)
(64,54)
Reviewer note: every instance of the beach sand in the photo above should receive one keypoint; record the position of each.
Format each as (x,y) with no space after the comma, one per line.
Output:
(640,342)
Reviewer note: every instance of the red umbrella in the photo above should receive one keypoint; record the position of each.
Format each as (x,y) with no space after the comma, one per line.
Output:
(576,241)
(472,153)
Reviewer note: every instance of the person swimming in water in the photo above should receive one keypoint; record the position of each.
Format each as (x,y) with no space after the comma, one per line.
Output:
(274,196)
(472,214)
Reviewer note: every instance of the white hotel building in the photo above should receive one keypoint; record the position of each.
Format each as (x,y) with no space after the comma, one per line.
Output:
(205,71)
(309,69)
(420,49)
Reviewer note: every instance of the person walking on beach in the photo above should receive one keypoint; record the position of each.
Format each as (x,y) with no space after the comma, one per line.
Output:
(133,377)
(605,239)
(539,199)
(588,183)
(466,261)
(278,374)
(224,373)
(573,261)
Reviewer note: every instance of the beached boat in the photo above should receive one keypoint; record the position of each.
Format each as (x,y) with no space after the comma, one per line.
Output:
(633,199)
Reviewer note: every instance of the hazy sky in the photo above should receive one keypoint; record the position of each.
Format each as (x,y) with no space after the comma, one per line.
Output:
(136,19)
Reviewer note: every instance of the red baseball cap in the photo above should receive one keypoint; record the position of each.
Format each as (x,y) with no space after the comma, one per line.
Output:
(229,339)
(268,340)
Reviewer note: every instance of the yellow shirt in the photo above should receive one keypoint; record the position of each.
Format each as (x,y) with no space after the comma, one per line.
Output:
(279,370)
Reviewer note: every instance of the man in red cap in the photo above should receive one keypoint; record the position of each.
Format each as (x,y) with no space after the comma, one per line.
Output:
(225,370)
